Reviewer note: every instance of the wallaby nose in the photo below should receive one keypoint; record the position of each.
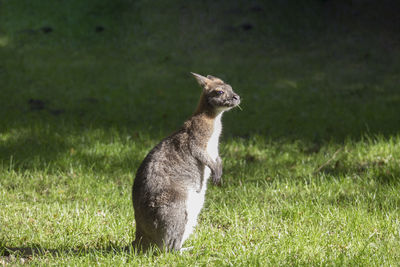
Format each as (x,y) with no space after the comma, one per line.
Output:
(236,97)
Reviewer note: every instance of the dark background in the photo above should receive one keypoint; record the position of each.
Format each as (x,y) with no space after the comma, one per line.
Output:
(306,70)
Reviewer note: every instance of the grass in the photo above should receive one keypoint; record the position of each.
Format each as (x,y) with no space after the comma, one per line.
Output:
(311,163)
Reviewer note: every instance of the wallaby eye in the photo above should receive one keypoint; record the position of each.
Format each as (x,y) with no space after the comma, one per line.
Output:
(219,92)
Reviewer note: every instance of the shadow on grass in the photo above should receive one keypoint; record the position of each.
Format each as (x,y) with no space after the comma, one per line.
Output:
(381,172)
(36,250)
(24,149)
(328,74)
(8,254)
(59,149)
(316,78)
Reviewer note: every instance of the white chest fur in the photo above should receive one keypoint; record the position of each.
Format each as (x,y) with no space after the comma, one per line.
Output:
(195,200)
(212,145)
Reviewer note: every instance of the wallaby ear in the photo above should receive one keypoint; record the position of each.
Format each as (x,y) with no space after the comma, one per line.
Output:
(203,81)
(215,79)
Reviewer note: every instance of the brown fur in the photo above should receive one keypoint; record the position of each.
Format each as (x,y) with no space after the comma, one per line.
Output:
(175,167)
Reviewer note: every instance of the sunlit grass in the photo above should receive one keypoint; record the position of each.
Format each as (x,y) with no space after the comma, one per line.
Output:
(4,40)
(273,209)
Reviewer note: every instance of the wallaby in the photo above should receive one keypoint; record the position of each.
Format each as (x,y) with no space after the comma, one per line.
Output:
(170,185)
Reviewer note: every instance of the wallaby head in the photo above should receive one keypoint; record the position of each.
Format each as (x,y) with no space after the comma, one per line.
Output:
(217,96)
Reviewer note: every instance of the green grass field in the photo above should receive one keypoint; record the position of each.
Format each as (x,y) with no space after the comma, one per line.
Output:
(311,164)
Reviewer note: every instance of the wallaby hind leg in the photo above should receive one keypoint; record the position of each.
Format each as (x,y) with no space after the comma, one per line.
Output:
(141,243)
(169,242)
(174,220)
(168,236)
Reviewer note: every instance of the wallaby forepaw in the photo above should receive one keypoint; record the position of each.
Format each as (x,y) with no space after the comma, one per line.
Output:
(217,174)
(217,181)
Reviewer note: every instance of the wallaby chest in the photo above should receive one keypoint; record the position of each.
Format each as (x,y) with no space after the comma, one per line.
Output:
(213,141)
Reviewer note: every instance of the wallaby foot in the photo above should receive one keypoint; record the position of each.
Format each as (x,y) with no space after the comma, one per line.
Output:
(185,249)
